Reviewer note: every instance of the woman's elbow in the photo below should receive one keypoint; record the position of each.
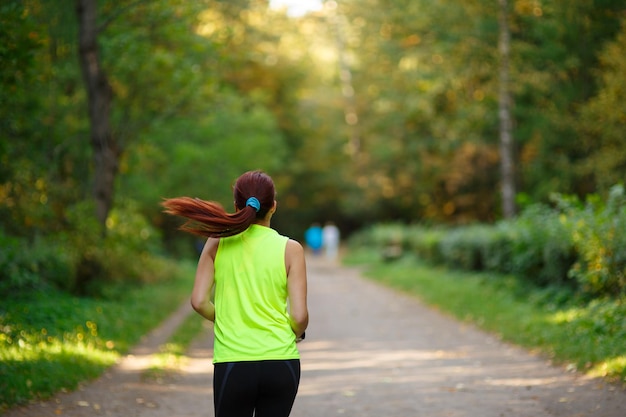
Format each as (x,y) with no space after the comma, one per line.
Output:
(197,303)
(204,307)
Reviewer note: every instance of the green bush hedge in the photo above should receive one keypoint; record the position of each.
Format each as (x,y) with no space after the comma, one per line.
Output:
(577,244)
(30,265)
(79,260)
(598,231)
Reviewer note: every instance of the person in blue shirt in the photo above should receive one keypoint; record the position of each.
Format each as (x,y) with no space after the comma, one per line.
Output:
(313,238)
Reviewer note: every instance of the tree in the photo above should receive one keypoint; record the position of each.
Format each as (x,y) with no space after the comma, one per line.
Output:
(507,180)
(603,119)
(106,151)
(554,60)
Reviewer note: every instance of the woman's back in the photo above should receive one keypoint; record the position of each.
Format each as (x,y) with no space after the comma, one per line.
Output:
(252,322)
(259,282)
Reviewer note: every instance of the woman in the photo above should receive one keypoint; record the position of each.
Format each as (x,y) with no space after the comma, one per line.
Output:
(260,310)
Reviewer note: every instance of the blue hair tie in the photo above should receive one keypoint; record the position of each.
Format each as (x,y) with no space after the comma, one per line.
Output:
(254,203)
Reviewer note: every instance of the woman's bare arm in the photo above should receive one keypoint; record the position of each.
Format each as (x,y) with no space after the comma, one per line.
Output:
(203,284)
(297,287)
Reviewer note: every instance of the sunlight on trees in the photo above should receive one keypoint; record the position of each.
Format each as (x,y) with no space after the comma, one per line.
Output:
(362,111)
(297,8)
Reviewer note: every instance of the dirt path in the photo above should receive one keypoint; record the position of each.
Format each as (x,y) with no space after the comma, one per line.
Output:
(370,352)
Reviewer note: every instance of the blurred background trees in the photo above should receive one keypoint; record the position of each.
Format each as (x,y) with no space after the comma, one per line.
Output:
(364,111)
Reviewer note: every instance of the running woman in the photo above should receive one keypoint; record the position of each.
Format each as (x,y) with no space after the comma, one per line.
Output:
(260,298)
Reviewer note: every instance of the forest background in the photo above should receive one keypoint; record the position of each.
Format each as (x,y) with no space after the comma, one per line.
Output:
(364,112)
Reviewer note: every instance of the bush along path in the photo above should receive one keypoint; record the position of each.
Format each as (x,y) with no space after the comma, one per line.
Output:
(370,351)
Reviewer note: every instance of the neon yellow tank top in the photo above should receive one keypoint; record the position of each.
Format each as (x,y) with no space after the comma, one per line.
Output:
(251,318)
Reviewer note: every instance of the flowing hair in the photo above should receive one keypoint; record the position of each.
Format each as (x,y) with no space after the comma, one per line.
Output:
(210,219)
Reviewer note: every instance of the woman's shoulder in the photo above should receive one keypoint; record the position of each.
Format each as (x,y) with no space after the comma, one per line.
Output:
(293,248)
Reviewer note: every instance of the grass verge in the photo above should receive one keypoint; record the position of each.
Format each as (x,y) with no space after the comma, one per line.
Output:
(52,341)
(172,354)
(584,335)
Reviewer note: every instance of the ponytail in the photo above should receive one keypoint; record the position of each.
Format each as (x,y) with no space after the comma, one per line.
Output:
(254,196)
(208,218)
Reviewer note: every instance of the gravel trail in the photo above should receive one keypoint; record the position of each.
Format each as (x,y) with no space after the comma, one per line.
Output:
(370,352)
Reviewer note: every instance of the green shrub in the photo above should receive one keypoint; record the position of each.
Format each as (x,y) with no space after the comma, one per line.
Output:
(381,238)
(122,256)
(388,234)
(498,248)
(542,247)
(459,249)
(32,265)
(426,243)
(599,235)
(15,271)
(81,260)
(575,245)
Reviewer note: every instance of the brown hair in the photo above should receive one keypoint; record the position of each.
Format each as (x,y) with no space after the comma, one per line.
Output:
(208,218)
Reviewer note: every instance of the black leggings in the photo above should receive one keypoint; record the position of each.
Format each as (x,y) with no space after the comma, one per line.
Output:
(262,388)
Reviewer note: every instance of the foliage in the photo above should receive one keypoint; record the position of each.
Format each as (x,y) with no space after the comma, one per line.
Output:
(572,245)
(587,336)
(603,120)
(541,247)
(597,232)
(126,254)
(366,112)
(211,161)
(168,81)
(31,266)
(210,85)
(50,340)
(78,260)
(426,96)
(36,129)
(557,72)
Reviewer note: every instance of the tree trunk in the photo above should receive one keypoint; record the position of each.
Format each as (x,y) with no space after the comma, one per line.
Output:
(99,95)
(347,87)
(504,114)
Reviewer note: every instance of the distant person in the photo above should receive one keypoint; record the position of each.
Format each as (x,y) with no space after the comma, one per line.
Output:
(330,239)
(313,238)
(260,308)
